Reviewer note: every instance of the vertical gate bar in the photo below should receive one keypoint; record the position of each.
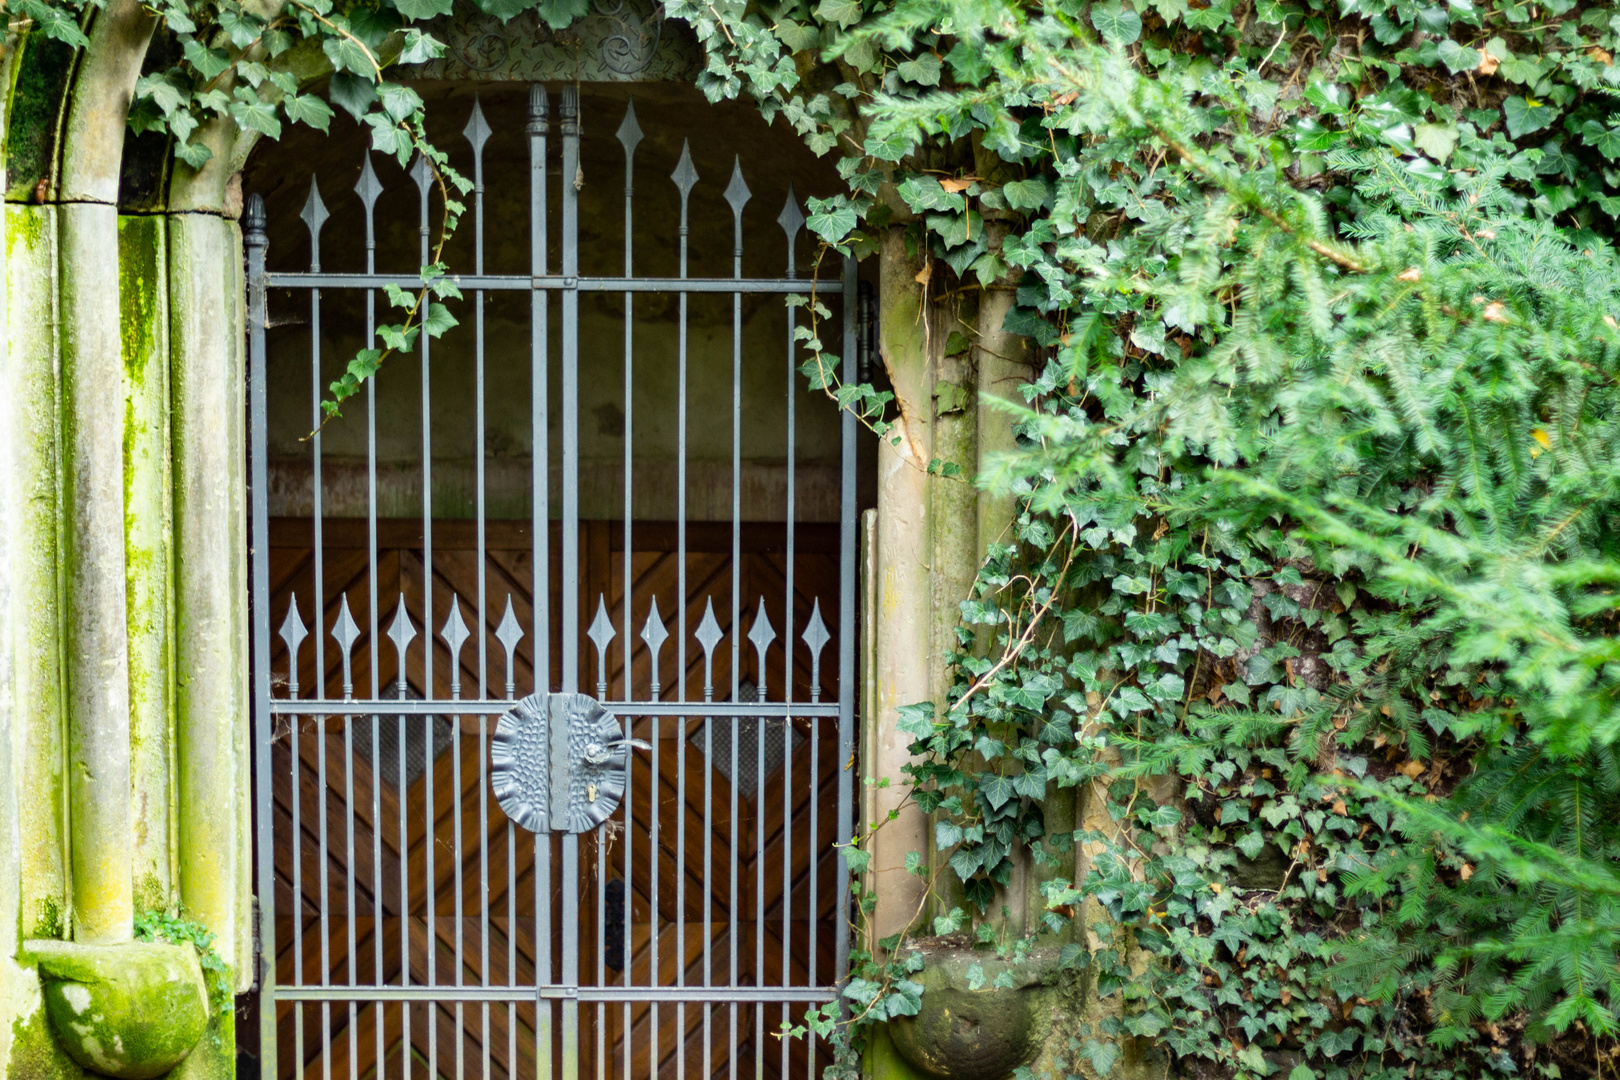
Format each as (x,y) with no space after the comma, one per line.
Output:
(457,731)
(846,623)
(761,635)
(685,177)
(317,214)
(538,129)
(629,136)
(733,897)
(404,896)
(539,390)
(477,133)
(570,545)
(255,241)
(791,220)
(430,832)
(325,910)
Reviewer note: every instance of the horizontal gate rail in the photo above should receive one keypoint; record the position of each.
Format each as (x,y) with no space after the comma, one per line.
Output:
(549,283)
(718,710)
(720,995)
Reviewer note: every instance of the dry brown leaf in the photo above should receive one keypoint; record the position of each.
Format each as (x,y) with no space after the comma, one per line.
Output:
(1601,55)
(1286,996)
(924,274)
(1066,99)
(1610,320)
(1412,769)
(1496,312)
(1338,807)
(957,185)
(1411,273)
(1488,62)
(1466,872)
(1486,234)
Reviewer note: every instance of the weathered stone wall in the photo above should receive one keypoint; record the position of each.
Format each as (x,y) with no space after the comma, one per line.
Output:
(123,706)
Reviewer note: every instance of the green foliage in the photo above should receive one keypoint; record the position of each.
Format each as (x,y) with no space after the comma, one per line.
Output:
(157,925)
(1318,508)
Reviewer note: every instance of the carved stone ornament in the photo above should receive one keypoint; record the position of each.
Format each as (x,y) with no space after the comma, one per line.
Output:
(617,41)
(558,763)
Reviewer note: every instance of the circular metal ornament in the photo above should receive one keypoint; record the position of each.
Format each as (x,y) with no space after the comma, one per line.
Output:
(558,763)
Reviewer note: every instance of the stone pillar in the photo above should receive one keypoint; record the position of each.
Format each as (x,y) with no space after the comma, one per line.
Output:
(97,676)
(904,619)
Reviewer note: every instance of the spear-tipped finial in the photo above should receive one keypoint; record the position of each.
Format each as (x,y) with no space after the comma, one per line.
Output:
(629,131)
(477,130)
(737,193)
(369,188)
(347,632)
(509,633)
(792,220)
(685,176)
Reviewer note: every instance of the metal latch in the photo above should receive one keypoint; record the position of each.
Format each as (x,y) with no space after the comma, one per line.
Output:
(558,763)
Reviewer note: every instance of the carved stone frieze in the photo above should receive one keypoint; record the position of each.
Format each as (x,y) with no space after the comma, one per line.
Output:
(619,41)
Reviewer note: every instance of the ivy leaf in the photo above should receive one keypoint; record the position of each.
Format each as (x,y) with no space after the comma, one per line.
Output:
(503,10)
(438,320)
(194,154)
(923,193)
(1605,140)
(398,101)
(347,54)
(422,9)
(1118,25)
(208,62)
(243,29)
(997,790)
(52,22)
(924,70)
(845,13)
(1525,115)
(1101,1054)
(1458,58)
(831,219)
(163,92)
(856,858)
(798,37)
(248,111)
(351,92)
(420,48)
(559,14)
(309,109)
(1031,194)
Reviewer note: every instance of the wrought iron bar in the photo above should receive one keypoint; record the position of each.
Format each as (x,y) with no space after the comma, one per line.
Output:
(543,283)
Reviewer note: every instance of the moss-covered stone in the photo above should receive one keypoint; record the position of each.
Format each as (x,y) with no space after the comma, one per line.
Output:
(131,1011)
(45,69)
(968,1028)
(35,1055)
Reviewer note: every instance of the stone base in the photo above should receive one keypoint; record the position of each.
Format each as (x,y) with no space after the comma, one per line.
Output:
(132,1011)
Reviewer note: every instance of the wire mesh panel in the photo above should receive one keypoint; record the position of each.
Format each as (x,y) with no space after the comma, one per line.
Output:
(681,549)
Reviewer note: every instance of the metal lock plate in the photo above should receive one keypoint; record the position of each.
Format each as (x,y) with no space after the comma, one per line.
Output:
(558,763)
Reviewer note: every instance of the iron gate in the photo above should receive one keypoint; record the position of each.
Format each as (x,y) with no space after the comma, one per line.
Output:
(677,935)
